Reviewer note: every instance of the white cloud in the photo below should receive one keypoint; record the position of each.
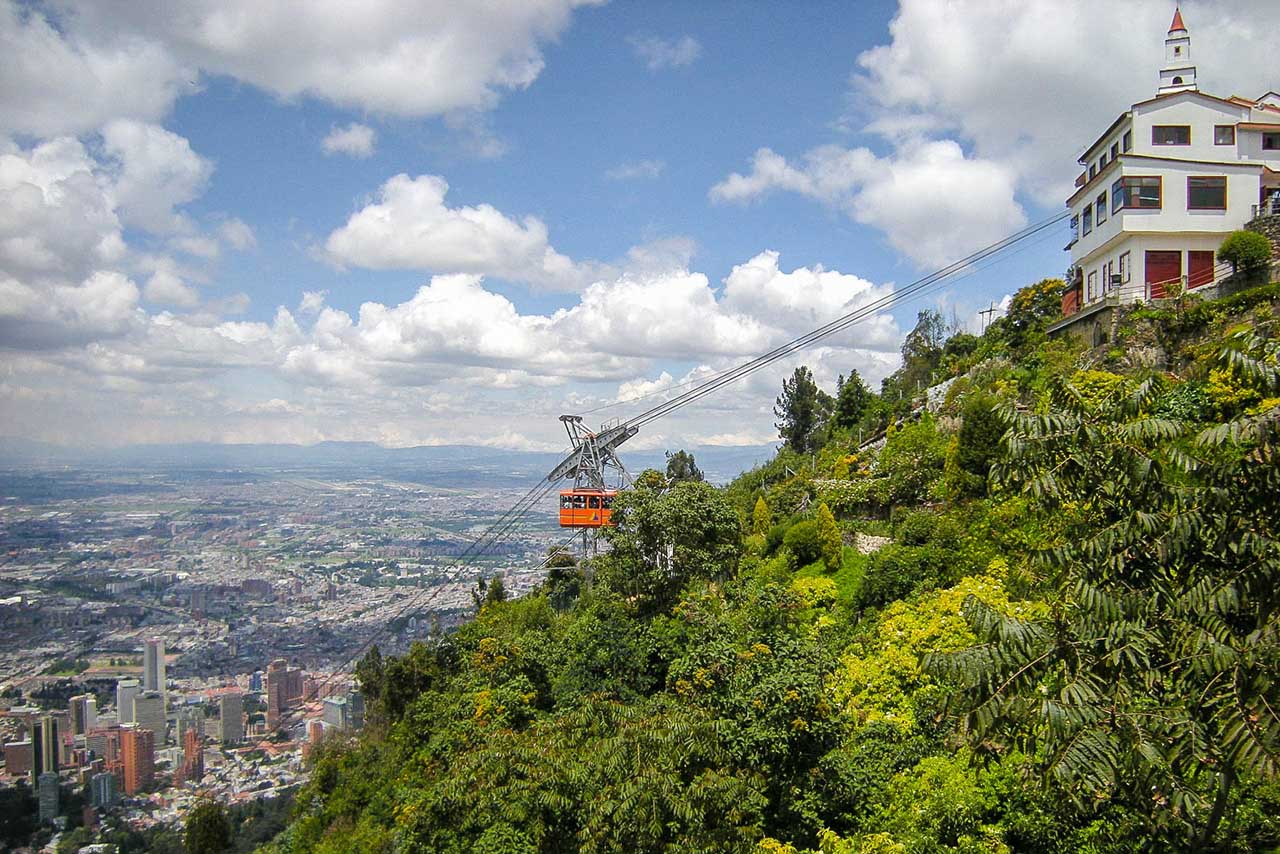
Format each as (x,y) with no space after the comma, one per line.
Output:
(35,317)
(154,172)
(410,59)
(58,80)
(410,227)
(354,140)
(636,169)
(450,363)
(56,217)
(659,53)
(1030,83)
(168,289)
(904,195)
(312,302)
(199,245)
(237,234)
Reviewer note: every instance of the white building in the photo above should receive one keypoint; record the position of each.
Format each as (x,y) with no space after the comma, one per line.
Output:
(149,713)
(1167,181)
(126,690)
(153,665)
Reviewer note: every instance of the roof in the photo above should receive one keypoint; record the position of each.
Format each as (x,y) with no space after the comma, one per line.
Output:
(1177,21)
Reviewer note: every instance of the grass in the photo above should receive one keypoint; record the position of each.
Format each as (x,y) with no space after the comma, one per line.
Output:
(848,578)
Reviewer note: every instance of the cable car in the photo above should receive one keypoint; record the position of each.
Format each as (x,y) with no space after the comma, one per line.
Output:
(586,508)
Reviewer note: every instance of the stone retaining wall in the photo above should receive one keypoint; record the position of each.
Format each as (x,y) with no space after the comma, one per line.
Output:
(1269,227)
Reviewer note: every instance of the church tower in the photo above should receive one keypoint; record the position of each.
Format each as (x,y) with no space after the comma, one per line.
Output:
(1178,74)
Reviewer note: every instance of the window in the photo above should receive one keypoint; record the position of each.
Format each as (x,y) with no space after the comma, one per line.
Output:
(1224,134)
(1171,134)
(1117,195)
(1088,219)
(1206,194)
(1271,142)
(1101,207)
(1127,140)
(1115,150)
(593,502)
(1091,292)
(1141,192)
(1124,266)
(1075,229)
(1102,162)
(1093,170)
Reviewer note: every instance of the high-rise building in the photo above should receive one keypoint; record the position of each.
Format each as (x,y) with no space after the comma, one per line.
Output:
(48,793)
(192,768)
(19,757)
(103,790)
(191,717)
(337,713)
(104,742)
(137,748)
(284,685)
(255,681)
(231,718)
(153,677)
(357,709)
(149,713)
(126,690)
(84,713)
(46,746)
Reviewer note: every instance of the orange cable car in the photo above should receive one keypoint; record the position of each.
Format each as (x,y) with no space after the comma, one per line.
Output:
(586,508)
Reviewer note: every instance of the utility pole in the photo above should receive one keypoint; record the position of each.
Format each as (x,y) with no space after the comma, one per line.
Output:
(986,313)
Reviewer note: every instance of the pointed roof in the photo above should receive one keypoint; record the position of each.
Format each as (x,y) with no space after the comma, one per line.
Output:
(1177,21)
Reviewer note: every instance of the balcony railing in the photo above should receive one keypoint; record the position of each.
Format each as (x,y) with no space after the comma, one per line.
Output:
(1268,208)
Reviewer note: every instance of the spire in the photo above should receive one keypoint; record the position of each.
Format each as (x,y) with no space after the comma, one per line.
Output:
(1178,73)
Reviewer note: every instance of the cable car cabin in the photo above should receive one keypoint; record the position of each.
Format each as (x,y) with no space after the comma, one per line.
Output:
(586,508)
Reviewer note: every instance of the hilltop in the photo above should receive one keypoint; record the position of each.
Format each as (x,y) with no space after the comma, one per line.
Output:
(1032,609)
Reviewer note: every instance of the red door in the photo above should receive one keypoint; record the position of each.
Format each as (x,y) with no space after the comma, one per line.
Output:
(1199,269)
(1163,269)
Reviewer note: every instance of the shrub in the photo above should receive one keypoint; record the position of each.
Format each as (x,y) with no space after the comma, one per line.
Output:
(802,541)
(1246,251)
(916,528)
(829,539)
(891,574)
(911,460)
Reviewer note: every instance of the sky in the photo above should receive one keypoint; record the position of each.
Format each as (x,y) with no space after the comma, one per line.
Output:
(438,223)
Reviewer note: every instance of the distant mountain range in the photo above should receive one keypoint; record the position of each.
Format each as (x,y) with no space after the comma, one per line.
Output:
(720,463)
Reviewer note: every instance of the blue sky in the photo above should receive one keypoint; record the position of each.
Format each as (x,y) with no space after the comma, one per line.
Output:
(425,223)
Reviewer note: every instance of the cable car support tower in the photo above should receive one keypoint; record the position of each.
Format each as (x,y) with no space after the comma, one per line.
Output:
(597,474)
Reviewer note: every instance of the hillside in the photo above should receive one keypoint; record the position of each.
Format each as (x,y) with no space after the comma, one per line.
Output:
(1039,615)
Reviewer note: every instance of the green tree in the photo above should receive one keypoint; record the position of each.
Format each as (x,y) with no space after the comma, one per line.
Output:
(801,540)
(802,408)
(977,444)
(852,399)
(830,543)
(1154,680)
(370,675)
(1031,309)
(921,354)
(497,591)
(663,539)
(565,578)
(208,831)
(761,518)
(681,466)
(1246,251)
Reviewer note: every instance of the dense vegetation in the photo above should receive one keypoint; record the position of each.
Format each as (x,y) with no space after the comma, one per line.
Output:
(1067,643)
